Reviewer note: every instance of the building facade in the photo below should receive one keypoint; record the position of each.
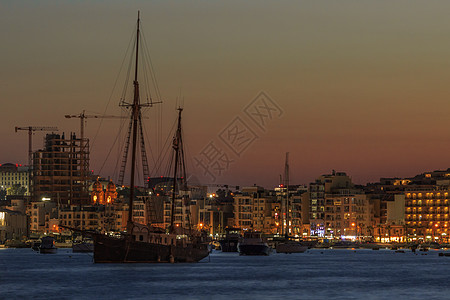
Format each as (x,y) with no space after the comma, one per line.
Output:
(61,170)
(14,176)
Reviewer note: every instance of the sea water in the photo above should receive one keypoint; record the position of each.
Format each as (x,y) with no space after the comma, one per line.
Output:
(315,274)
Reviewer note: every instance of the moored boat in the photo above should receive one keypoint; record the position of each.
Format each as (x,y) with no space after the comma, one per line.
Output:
(231,239)
(149,246)
(47,245)
(252,243)
(291,247)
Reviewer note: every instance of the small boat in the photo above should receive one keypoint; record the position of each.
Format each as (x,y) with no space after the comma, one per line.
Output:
(289,247)
(230,241)
(47,245)
(253,244)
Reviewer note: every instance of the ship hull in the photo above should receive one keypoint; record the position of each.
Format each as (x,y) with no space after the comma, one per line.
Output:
(48,250)
(291,248)
(253,249)
(124,250)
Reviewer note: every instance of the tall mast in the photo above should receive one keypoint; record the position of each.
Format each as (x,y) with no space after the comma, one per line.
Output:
(135,116)
(176,146)
(286,184)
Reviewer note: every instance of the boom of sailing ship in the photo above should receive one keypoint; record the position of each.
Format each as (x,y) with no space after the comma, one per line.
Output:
(142,242)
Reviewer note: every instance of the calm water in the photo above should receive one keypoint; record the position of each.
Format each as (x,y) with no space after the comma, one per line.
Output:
(317,274)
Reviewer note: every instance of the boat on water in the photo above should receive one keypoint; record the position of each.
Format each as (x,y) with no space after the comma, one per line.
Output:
(142,242)
(47,245)
(230,240)
(36,244)
(252,243)
(291,247)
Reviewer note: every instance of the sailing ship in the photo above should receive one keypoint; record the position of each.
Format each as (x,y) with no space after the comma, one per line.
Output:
(143,242)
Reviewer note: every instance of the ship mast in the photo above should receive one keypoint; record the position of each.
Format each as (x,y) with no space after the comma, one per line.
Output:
(136,110)
(176,146)
(286,184)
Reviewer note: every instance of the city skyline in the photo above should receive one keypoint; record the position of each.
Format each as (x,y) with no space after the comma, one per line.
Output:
(361,86)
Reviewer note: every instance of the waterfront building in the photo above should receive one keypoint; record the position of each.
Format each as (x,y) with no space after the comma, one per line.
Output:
(83,217)
(257,209)
(425,209)
(326,184)
(261,213)
(427,213)
(39,213)
(13,225)
(347,216)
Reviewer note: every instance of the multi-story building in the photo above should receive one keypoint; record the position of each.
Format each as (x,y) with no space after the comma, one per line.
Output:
(39,213)
(13,225)
(289,208)
(334,183)
(190,206)
(427,213)
(255,209)
(60,170)
(347,216)
(413,208)
(14,176)
(84,217)
(104,213)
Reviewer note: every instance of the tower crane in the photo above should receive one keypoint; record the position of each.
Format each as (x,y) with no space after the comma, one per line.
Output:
(82,116)
(83,155)
(31,129)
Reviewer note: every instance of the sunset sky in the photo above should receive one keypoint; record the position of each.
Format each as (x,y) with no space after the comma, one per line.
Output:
(362,86)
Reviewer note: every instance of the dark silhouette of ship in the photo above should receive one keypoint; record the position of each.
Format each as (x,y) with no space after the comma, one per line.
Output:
(144,243)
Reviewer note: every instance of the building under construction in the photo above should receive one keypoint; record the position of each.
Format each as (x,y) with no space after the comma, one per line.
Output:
(61,170)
